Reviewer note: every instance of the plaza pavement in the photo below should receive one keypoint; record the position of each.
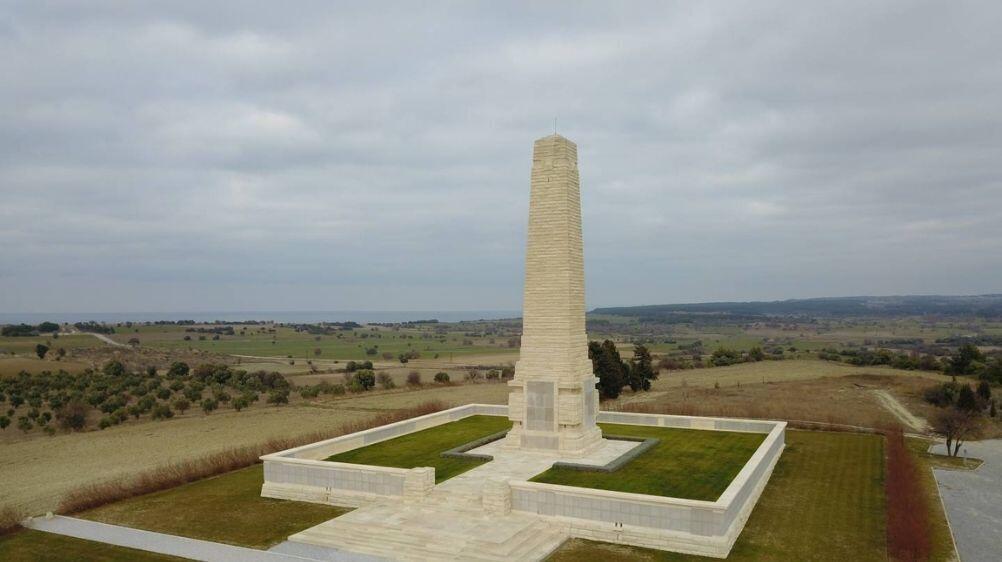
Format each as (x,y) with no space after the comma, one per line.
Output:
(973,500)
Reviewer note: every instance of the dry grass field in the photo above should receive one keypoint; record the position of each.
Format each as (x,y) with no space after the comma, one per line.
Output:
(40,470)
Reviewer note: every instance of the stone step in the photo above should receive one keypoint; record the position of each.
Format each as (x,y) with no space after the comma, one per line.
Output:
(518,539)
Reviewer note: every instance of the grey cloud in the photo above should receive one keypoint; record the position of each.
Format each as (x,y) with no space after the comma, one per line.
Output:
(376,157)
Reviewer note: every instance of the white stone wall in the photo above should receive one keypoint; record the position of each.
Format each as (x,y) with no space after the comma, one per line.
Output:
(675,524)
(680,525)
(301,473)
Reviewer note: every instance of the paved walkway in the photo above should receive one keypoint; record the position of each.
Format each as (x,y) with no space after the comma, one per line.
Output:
(451,523)
(183,547)
(973,500)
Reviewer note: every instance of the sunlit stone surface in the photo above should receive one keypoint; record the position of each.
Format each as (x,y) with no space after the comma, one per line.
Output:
(553,400)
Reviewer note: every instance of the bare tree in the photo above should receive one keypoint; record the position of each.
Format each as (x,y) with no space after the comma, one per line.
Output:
(957,426)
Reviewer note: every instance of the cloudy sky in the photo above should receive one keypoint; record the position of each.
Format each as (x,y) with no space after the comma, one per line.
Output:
(192,156)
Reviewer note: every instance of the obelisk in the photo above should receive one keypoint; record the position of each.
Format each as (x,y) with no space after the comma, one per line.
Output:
(553,401)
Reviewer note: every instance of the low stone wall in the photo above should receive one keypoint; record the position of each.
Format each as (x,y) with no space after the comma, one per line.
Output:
(301,474)
(689,526)
(680,525)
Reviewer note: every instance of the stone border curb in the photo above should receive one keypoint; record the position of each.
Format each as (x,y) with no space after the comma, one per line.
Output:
(460,451)
(616,463)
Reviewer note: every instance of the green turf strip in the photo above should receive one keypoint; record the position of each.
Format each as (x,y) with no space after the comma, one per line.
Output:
(425,447)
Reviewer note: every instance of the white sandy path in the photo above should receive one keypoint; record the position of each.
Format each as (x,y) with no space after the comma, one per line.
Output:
(183,547)
(895,407)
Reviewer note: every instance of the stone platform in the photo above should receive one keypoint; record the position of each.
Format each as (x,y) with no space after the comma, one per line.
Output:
(461,519)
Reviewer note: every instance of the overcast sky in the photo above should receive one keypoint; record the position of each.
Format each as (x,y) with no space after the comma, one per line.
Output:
(193,156)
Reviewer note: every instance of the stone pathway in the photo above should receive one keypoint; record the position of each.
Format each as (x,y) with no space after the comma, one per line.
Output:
(973,500)
(182,547)
(451,523)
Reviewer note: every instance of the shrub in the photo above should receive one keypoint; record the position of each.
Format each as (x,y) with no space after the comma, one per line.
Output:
(163,393)
(984,391)
(309,391)
(414,378)
(338,389)
(113,369)
(24,424)
(278,397)
(161,412)
(182,405)
(40,350)
(966,400)
(5,421)
(362,381)
(72,416)
(942,395)
(240,403)
(105,422)
(472,375)
(208,405)
(442,377)
(493,375)
(178,369)
(386,381)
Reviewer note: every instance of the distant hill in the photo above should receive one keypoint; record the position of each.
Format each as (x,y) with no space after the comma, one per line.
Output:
(909,305)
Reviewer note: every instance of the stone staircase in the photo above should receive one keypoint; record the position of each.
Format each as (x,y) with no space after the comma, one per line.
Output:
(437,530)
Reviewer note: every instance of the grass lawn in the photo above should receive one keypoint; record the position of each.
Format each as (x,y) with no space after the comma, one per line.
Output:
(686,463)
(424,448)
(825,501)
(36,546)
(227,508)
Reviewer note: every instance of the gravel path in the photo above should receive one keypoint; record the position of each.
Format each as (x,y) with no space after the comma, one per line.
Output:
(183,547)
(973,500)
(895,407)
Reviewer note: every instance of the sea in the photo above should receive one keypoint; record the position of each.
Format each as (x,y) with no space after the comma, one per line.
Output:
(291,317)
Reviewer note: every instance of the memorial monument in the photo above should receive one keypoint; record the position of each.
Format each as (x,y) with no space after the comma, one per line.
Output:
(553,401)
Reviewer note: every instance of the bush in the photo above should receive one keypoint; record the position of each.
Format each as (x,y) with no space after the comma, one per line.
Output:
(414,378)
(4,422)
(338,389)
(240,403)
(113,369)
(362,381)
(73,416)
(161,412)
(386,381)
(442,377)
(182,405)
(984,391)
(942,395)
(278,397)
(208,405)
(309,391)
(472,375)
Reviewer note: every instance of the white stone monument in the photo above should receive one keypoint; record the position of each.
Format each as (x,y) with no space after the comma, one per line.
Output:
(553,402)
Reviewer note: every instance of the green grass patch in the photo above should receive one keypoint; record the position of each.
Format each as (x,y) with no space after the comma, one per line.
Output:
(824,502)
(425,447)
(686,463)
(36,546)
(226,508)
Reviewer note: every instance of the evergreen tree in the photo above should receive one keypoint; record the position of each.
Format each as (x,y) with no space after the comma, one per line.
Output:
(641,369)
(608,367)
(966,400)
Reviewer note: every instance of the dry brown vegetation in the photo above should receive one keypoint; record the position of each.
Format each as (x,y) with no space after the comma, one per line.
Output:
(908,516)
(10,520)
(175,474)
(847,400)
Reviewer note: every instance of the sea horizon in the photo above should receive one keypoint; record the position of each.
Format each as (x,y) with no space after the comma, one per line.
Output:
(283,316)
